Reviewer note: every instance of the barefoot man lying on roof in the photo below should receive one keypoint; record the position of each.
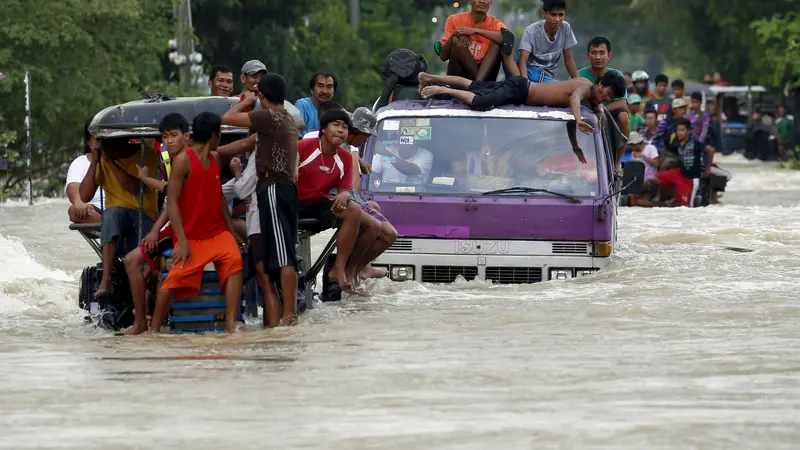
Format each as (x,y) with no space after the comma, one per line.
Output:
(518,90)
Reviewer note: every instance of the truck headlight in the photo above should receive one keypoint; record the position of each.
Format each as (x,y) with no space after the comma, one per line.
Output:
(561,274)
(402,273)
(585,272)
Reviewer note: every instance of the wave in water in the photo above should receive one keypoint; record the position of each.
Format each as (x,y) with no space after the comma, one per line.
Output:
(28,286)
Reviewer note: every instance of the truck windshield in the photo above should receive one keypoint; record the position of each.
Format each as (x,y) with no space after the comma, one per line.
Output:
(469,155)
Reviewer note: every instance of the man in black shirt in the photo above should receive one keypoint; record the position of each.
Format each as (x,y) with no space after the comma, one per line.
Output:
(695,158)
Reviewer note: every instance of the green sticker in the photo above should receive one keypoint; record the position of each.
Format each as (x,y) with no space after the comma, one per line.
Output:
(423,134)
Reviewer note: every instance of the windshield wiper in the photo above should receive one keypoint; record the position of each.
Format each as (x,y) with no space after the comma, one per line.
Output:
(525,190)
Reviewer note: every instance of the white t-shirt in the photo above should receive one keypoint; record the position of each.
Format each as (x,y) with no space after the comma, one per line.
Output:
(77,172)
(245,187)
(389,173)
(650,170)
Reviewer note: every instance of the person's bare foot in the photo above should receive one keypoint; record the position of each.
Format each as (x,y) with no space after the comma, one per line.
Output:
(288,321)
(105,288)
(430,91)
(424,80)
(338,276)
(135,330)
(371,272)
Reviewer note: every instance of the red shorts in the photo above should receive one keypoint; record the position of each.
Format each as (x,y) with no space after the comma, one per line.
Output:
(221,249)
(685,188)
(164,242)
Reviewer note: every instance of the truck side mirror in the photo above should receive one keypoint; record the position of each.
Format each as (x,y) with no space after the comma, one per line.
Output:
(633,177)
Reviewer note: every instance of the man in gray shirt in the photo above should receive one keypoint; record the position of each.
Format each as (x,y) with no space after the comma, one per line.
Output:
(544,42)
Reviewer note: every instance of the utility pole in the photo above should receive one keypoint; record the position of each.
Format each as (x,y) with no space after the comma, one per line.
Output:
(183,25)
(355,12)
(28,145)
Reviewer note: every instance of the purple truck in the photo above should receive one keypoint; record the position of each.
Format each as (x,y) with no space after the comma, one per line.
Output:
(513,195)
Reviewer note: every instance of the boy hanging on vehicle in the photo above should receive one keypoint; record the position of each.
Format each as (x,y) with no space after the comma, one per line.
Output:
(695,158)
(174,129)
(202,225)
(544,42)
(518,90)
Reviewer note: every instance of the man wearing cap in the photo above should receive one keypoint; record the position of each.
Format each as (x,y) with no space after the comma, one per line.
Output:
(634,106)
(644,152)
(251,72)
(665,132)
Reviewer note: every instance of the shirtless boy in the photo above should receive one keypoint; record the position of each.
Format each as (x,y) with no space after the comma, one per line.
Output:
(517,90)
(203,229)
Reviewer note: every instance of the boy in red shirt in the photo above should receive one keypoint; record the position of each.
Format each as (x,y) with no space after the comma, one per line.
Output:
(324,165)
(202,225)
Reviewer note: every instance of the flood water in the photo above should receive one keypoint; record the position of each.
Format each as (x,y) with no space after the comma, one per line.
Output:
(680,344)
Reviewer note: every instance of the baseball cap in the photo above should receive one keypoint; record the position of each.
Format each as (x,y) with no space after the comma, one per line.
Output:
(364,121)
(253,66)
(634,98)
(679,103)
(635,138)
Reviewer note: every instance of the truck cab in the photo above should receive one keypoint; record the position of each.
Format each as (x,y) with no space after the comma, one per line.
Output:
(512,195)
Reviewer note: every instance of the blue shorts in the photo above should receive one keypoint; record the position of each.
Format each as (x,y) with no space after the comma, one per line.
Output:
(122,224)
(535,74)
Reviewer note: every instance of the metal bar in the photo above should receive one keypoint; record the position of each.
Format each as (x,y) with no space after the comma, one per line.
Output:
(95,246)
(28,144)
(311,276)
(141,193)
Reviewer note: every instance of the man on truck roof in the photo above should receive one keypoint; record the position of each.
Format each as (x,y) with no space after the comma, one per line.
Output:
(544,42)
(517,90)
(472,42)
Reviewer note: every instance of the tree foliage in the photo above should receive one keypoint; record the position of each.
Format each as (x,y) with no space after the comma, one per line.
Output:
(82,55)
(780,36)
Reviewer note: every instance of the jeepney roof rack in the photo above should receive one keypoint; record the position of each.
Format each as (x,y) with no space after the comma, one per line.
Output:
(140,118)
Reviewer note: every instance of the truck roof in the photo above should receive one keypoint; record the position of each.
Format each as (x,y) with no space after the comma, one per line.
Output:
(454,108)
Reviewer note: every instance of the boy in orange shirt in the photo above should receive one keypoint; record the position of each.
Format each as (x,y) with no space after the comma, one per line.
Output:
(472,43)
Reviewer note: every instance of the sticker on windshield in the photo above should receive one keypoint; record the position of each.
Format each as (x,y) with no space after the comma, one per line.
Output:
(409,122)
(426,122)
(377,183)
(407,131)
(406,140)
(423,134)
(405,189)
(391,125)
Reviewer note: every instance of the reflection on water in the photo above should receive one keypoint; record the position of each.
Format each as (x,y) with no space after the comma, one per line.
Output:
(685,341)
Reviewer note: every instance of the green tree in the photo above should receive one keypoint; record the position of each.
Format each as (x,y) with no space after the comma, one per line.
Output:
(82,55)
(780,36)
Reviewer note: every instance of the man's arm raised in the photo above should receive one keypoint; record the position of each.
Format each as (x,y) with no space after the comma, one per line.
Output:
(236,116)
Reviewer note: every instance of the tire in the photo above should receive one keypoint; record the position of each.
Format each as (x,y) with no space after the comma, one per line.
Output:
(89,282)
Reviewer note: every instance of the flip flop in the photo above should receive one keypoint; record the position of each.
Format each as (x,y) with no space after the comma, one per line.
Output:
(508,42)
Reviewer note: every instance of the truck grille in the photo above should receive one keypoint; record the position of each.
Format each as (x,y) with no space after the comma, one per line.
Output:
(400,245)
(570,248)
(514,275)
(447,274)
